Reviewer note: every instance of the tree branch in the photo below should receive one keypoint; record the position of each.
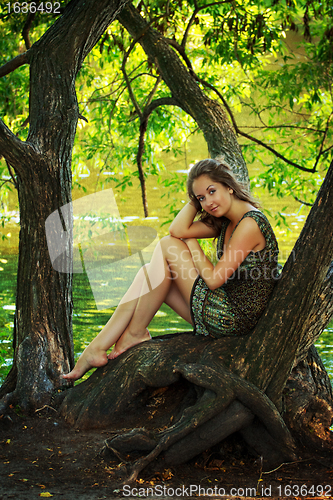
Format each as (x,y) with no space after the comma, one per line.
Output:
(128,84)
(141,148)
(15,63)
(276,153)
(181,50)
(323,140)
(143,128)
(273,106)
(143,122)
(191,21)
(302,201)
(26,28)
(162,101)
(327,149)
(7,181)
(251,138)
(153,92)
(12,174)
(16,152)
(297,127)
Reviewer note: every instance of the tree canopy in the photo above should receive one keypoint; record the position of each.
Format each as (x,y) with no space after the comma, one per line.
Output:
(271,59)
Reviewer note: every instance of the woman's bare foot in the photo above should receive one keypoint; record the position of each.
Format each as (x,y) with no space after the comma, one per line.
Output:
(126,341)
(90,358)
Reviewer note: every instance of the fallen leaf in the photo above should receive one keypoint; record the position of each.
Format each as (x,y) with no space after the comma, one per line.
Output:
(45,494)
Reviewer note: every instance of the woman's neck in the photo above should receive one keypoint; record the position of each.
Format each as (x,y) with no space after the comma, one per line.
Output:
(238,209)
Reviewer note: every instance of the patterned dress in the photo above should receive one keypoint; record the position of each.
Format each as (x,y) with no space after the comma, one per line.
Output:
(235,307)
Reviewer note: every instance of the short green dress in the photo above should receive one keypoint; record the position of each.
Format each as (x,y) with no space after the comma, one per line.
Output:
(235,307)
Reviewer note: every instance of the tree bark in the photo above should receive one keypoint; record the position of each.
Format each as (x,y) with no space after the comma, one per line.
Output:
(43,348)
(308,403)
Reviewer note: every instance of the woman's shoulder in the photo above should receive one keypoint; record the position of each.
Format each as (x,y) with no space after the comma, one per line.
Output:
(255,216)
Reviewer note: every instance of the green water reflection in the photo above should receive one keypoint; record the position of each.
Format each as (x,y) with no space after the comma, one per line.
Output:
(87,320)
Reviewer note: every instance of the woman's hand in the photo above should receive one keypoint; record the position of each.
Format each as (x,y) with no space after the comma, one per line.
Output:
(184,227)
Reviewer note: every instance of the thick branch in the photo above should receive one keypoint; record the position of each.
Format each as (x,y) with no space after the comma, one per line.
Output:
(14,150)
(254,139)
(143,128)
(162,101)
(128,84)
(208,114)
(26,29)
(15,63)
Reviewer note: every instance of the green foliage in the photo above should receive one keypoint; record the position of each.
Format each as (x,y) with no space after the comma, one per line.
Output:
(240,49)
(174,184)
(110,138)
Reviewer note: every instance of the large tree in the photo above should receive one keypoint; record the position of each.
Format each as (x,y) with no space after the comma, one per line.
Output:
(228,385)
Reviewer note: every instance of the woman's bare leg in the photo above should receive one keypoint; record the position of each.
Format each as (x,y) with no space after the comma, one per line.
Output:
(95,353)
(176,301)
(178,268)
(171,262)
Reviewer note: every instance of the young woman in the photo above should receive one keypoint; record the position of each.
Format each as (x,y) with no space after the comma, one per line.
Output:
(225,299)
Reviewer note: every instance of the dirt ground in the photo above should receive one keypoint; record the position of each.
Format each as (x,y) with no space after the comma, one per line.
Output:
(44,457)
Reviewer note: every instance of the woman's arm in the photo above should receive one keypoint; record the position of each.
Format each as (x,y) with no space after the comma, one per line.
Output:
(184,227)
(245,238)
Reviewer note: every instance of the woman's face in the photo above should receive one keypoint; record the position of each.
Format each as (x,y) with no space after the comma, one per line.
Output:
(215,198)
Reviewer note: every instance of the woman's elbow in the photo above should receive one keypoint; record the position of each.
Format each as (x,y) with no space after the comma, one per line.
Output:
(173,232)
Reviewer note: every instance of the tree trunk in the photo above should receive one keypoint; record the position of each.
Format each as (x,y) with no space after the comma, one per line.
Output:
(43,348)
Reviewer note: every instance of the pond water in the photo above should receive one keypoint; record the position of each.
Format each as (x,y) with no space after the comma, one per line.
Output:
(88,318)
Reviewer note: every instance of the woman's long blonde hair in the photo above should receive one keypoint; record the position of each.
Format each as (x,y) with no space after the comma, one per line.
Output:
(218,171)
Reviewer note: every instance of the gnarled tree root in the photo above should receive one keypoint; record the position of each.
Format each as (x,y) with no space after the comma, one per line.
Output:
(227,404)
